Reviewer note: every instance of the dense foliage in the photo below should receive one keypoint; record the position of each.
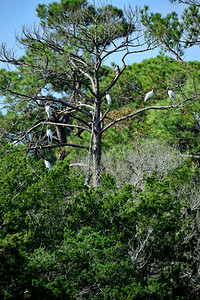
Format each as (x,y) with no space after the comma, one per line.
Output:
(62,240)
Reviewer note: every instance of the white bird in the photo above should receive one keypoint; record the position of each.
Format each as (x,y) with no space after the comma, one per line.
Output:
(49,134)
(48,110)
(197,118)
(47,164)
(108,98)
(171,94)
(16,143)
(149,95)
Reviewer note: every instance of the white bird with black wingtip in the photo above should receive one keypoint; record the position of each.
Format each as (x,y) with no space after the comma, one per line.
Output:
(171,94)
(47,164)
(48,111)
(108,98)
(149,95)
(49,134)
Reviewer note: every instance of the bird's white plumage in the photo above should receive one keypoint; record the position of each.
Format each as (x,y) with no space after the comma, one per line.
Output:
(197,118)
(108,98)
(49,134)
(47,164)
(16,143)
(149,95)
(48,110)
(171,94)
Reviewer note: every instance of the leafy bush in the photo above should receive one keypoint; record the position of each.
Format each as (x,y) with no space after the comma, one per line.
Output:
(62,240)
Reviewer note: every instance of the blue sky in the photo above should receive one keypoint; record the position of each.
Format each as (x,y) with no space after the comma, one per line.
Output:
(16,13)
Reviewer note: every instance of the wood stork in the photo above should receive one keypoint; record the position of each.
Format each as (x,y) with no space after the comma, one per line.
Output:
(16,143)
(47,164)
(108,98)
(49,134)
(171,94)
(197,118)
(48,111)
(149,95)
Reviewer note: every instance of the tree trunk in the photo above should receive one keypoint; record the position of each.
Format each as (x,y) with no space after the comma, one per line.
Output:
(97,147)
(90,153)
(62,137)
(97,160)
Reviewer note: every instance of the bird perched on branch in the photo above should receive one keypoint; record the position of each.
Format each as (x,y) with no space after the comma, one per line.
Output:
(49,134)
(47,164)
(171,94)
(108,98)
(48,111)
(149,95)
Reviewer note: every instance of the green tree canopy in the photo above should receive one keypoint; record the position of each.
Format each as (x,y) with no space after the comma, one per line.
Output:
(171,33)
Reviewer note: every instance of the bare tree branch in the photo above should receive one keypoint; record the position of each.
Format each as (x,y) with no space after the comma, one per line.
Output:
(55,146)
(142,110)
